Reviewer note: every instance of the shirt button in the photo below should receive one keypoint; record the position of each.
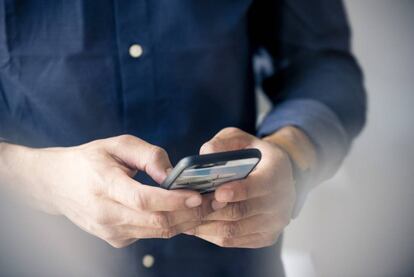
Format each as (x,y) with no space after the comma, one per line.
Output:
(135,51)
(148,261)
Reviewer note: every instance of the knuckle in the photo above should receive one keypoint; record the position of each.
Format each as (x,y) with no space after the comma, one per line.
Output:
(284,156)
(225,242)
(230,230)
(216,144)
(238,211)
(196,231)
(168,233)
(124,139)
(160,220)
(204,147)
(209,146)
(231,130)
(198,213)
(157,153)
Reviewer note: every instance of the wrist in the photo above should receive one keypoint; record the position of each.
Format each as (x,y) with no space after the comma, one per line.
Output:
(303,158)
(19,175)
(297,145)
(13,159)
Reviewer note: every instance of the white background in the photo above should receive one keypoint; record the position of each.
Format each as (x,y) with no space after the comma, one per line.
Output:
(361,223)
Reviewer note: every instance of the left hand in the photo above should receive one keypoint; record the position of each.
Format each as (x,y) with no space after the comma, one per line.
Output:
(250,213)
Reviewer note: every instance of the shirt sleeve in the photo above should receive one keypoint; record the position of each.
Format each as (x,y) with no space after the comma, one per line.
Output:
(316,83)
(319,123)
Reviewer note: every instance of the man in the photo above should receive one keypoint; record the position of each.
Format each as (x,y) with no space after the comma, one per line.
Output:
(177,77)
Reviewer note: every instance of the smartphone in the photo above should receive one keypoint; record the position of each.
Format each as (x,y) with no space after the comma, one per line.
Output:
(204,173)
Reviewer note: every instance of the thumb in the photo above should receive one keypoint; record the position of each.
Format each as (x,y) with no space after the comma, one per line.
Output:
(141,155)
(227,139)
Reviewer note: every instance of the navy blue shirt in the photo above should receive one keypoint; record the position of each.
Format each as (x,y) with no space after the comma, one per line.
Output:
(175,72)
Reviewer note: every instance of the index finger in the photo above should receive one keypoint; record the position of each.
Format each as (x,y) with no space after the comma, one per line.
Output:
(137,196)
(228,139)
(240,190)
(141,155)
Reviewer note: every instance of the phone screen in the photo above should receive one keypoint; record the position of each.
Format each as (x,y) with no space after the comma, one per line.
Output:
(205,178)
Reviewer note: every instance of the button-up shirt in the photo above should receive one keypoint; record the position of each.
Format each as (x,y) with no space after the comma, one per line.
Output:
(175,72)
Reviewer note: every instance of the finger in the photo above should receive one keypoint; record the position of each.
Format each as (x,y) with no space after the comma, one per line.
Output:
(227,139)
(244,209)
(162,219)
(92,227)
(255,185)
(231,229)
(165,233)
(214,204)
(170,219)
(194,214)
(116,227)
(270,176)
(141,197)
(218,205)
(141,155)
(111,213)
(252,241)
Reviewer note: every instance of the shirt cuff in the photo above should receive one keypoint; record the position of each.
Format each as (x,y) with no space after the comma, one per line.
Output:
(323,128)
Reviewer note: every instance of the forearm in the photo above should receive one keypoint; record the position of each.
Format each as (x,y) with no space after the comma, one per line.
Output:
(304,160)
(19,175)
(12,159)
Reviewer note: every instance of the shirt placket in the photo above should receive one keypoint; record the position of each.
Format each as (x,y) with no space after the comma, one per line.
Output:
(135,65)
(137,89)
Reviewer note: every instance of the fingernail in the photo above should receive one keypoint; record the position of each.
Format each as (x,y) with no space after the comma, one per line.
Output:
(216,205)
(225,195)
(193,201)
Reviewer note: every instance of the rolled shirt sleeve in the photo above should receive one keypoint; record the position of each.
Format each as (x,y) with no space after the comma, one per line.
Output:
(316,84)
(319,123)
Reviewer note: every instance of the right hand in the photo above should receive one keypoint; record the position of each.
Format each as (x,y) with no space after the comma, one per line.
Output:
(92,185)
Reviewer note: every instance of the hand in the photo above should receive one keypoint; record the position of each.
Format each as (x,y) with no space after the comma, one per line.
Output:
(91,185)
(260,206)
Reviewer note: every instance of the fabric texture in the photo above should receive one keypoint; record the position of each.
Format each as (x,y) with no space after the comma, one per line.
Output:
(67,77)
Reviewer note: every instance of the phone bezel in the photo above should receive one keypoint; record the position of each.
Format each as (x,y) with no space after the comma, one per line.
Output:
(214,158)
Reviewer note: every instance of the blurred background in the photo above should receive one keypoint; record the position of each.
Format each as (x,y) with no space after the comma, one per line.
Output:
(359,224)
